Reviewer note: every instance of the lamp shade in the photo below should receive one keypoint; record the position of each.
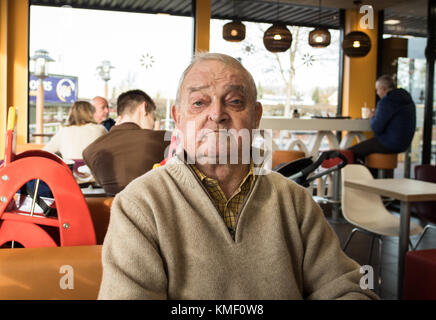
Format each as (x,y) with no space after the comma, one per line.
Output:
(356,44)
(234,31)
(277,38)
(319,38)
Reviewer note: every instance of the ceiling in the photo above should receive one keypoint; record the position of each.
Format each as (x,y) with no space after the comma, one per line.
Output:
(411,13)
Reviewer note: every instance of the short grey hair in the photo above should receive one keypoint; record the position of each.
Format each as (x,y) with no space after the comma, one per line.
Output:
(387,81)
(227,60)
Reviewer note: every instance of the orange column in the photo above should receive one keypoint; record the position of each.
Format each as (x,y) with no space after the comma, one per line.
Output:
(13,65)
(359,73)
(202,25)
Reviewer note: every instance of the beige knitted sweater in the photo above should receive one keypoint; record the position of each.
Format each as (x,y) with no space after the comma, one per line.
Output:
(166,240)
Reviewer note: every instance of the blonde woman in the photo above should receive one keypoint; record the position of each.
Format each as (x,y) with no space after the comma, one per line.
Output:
(81,129)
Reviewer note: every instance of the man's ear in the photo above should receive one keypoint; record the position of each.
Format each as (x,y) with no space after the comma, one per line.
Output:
(258,110)
(175,114)
(144,108)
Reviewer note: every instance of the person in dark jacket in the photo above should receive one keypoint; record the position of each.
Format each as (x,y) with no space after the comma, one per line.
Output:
(393,123)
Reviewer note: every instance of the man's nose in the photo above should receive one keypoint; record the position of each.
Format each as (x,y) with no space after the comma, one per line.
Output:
(217,112)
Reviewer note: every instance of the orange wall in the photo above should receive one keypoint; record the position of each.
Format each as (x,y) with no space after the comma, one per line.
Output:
(359,73)
(13,63)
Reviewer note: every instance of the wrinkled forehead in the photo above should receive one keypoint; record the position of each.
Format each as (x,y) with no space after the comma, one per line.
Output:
(214,73)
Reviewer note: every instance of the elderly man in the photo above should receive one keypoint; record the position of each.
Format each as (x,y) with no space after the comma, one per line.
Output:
(394,122)
(101,114)
(131,148)
(203,227)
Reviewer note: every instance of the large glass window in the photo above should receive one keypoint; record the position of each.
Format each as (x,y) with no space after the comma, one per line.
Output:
(146,51)
(302,78)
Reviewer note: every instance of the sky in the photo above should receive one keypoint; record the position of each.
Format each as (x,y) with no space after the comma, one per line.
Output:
(79,40)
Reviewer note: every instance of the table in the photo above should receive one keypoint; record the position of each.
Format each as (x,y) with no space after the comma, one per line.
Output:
(407,191)
(323,127)
(93,192)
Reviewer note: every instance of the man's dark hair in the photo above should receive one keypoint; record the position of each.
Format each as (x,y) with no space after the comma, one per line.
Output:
(387,81)
(128,101)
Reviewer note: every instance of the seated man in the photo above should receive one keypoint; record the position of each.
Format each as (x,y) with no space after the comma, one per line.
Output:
(212,224)
(394,122)
(101,114)
(131,148)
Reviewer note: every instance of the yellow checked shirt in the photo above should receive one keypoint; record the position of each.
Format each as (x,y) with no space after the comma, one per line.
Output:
(228,209)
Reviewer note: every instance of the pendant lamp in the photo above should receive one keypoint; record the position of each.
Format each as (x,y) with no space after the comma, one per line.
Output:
(234,31)
(356,43)
(277,38)
(319,37)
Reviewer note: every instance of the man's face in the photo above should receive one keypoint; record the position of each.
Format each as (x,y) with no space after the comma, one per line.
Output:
(101,110)
(214,99)
(380,89)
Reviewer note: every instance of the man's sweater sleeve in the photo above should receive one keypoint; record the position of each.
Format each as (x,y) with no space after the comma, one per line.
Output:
(132,265)
(327,272)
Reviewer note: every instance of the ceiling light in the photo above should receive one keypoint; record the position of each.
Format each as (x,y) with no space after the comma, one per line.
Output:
(392,22)
(319,37)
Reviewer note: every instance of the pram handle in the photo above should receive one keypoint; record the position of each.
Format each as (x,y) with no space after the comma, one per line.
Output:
(325,156)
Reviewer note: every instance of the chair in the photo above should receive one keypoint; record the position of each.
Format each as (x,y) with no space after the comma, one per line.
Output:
(426,210)
(283,156)
(367,213)
(419,275)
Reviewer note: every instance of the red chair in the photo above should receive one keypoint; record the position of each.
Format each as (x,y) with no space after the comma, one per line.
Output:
(419,275)
(426,210)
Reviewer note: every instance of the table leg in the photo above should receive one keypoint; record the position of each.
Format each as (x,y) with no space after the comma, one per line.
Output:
(403,244)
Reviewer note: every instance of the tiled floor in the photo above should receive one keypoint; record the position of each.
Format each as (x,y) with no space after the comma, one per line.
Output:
(359,247)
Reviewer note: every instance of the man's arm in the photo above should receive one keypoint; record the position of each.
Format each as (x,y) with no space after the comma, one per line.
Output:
(383,115)
(132,265)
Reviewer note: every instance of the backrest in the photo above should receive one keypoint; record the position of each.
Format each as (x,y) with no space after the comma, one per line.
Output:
(426,209)
(100,209)
(61,273)
(358,206)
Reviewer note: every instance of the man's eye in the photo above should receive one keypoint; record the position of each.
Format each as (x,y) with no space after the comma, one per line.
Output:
(198,103)
(236,102)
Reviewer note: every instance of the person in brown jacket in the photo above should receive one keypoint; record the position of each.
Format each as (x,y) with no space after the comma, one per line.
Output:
(131,148)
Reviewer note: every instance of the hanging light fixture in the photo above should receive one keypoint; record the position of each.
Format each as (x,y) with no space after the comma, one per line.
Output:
(277,38)
(356,43)
(319,37)
(234,31)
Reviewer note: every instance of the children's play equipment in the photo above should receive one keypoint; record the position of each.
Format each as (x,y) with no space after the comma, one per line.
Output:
(69,222)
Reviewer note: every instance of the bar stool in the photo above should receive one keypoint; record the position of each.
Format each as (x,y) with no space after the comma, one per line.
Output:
(334,186)
(284,156)
(383,162)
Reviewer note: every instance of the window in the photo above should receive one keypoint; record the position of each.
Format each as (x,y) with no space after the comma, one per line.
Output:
(79,40)
(289,80)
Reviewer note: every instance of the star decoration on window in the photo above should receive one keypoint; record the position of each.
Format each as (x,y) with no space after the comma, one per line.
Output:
(146,61)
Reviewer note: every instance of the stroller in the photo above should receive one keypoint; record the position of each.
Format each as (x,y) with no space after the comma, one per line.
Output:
(299,170)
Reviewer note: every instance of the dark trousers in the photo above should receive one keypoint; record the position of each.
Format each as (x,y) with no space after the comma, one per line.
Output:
(364,148)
